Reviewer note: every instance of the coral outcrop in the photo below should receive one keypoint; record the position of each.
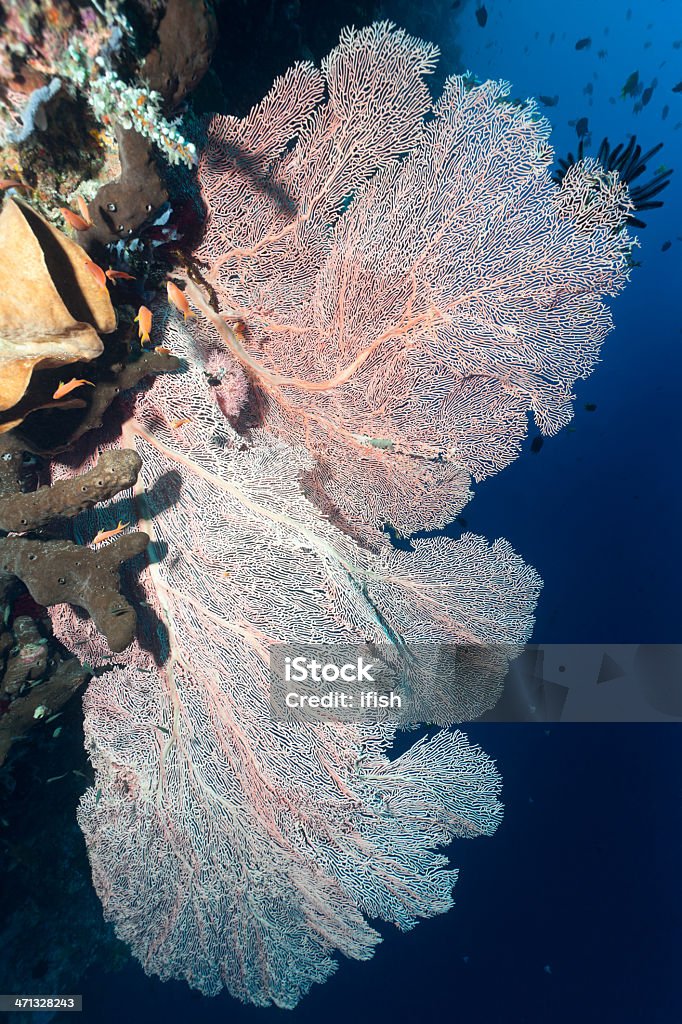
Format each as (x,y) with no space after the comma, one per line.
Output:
(76,78)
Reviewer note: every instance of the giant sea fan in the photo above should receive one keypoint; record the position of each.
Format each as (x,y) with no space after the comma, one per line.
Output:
(229,849)
(408,273)
(410,289)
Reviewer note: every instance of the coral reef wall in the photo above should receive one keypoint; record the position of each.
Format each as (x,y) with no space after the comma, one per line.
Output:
(398,293)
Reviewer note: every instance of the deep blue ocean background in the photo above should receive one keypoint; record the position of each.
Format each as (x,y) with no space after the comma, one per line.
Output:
(572,911)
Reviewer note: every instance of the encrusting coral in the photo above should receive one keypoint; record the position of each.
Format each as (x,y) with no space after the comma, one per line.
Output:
(78,79)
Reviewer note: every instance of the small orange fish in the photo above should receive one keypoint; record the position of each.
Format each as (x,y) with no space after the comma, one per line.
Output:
(85,213)
(65,389)
(178,299)
(74,219)
(11,183)
(96,272)
(119,275)
(106,534)
(163,351)
(144,321)
(239,329)
(178,423)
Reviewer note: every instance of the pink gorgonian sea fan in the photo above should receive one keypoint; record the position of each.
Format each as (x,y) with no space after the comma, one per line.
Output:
(229,848)
(410,286)
(411,279)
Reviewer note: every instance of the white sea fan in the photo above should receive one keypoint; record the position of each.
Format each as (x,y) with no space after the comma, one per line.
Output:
(410,289)
(228,849)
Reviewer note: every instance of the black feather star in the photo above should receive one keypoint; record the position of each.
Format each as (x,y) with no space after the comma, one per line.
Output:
(630,164)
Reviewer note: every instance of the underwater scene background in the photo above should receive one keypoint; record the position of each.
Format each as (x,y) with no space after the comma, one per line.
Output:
(571,909)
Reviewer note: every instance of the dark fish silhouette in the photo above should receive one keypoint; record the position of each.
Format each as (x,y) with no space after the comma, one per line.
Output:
(678,87)
(633,85)
(581,128)
(677,44)
(537,443)
(602,54)
(666,246)
(589,89)
(461,521)
(648,92)
(665,111)
(481,15)
(583,43)
(590,407)
(549,101)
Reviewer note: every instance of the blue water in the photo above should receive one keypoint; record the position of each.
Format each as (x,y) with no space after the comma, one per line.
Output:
(596,510)
(572,910)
